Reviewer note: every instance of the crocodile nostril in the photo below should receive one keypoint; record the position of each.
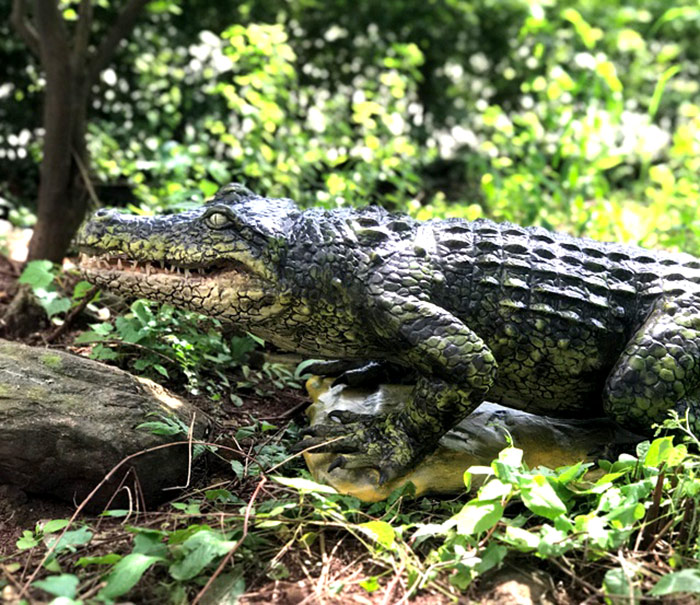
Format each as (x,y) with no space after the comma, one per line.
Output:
(102,213)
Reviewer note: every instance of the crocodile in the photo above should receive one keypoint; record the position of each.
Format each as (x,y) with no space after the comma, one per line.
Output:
(532,319)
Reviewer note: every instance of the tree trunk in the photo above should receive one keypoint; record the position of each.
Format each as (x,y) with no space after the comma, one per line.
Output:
(71,68)
(63,193)
(60,206)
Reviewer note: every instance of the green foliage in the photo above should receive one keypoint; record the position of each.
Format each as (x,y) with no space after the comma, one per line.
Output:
(188,349)
(48,285)
(599,516)
(583,118)
(565,512)
(687,581)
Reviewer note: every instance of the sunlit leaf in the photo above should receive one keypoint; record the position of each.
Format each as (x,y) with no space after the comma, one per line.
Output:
(381,531)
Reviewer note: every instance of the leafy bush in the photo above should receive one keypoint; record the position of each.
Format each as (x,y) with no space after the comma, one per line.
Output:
(187,348)
(49,285)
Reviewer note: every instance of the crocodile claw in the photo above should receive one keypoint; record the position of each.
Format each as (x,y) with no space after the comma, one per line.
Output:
(346,417)
(364,441)
(339,462)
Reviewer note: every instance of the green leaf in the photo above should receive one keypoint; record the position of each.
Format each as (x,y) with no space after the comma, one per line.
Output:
(64,585)
(81,289)
(495,490)
(150,543)
(108,559)
(53,525)
(38,274)
(570,473)
(381,531)
(55,305)
(370,584)
(478,516)
(589,35)
(686,580)
(126,574)
(491,557)
(160,428)
(301,368)
(207,187)
(88,337)
(522,539)
(226,589)
(238,468)
(512,456)
(130,330)
(161,370)
(69,540)
(660,87)
(619,587)
(116,512)
(104,353)
(28,540)
(541,499)
(467,478)
(680,12)
(659,452)
(197,552)
(141,309)
(52,565)
(553,541)
(220,495)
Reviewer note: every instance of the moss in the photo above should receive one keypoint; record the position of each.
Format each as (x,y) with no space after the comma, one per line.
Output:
(51,360)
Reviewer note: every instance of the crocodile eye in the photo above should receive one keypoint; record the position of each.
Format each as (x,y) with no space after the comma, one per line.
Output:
(217,220)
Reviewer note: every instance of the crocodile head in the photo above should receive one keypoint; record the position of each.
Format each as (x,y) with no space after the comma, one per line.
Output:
(220,259)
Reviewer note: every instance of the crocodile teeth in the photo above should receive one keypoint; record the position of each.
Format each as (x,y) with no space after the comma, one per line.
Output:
(119,264)
(187,273)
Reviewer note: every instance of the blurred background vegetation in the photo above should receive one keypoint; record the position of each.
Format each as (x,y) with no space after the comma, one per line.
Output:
(580,116)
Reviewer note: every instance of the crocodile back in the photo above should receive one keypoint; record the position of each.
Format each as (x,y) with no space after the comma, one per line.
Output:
(494,270)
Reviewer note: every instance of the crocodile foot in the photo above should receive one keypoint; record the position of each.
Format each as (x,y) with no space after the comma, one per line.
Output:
(365,441)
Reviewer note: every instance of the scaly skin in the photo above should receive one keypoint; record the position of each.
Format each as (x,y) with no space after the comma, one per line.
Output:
(531,319)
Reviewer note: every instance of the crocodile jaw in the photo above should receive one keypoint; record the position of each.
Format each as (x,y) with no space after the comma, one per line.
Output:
(231,293)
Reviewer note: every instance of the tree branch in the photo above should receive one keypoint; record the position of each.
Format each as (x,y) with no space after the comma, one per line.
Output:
(82,34)
(122,27)
(23,27)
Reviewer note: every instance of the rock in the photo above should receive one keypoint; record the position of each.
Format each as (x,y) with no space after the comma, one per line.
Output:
(67,421)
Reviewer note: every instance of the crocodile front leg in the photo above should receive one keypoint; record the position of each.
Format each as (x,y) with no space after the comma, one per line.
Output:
(456,370)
